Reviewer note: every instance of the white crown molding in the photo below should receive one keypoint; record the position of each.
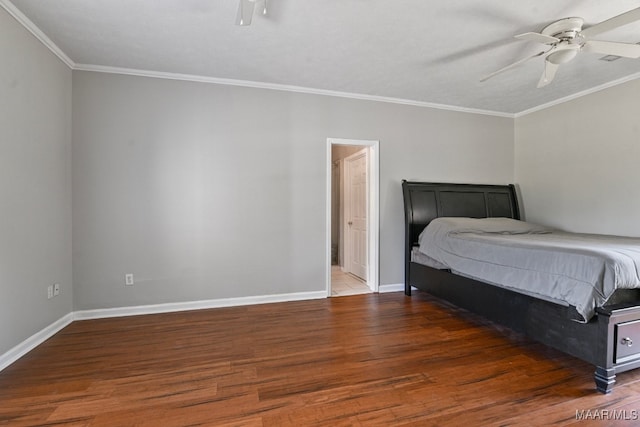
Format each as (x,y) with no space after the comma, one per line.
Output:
(281,87)
(578,95)
(33,29)
(34,340)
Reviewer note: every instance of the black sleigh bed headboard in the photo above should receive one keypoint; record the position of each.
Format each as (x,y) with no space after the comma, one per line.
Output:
(424,201)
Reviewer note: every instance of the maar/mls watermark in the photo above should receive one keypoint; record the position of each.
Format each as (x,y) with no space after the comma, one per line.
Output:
(608,414)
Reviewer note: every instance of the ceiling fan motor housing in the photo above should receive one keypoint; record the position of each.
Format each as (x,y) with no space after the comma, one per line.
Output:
(568,32)
(567,29)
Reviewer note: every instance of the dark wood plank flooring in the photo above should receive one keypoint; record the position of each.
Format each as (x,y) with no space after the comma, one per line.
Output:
(355,361)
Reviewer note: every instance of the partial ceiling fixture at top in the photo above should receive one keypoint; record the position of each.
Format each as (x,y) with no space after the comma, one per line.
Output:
(565,38)
(246,9)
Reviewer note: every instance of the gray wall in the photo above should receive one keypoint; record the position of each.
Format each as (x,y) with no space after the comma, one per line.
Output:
(577,163)
(206,191)
(35,184)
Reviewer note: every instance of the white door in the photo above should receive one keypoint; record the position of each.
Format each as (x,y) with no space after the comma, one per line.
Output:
(356,213)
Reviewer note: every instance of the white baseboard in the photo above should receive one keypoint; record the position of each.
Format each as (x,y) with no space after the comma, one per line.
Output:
(194,305)
(34,340)
(398,287)
(38,338)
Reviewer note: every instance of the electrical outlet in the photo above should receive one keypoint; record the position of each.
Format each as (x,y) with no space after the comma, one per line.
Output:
(56,289)
(128,279)
(49,291)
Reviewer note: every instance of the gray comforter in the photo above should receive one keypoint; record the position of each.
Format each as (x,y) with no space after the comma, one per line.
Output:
(580,270)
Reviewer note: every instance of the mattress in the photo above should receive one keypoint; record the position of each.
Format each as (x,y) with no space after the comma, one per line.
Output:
(580,270)
(421,258)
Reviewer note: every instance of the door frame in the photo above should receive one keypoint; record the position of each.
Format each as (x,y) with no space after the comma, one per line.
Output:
(373,219)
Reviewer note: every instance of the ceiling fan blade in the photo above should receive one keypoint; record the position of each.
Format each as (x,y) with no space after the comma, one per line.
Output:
(626,50)
(245,12)
(612,23)
(510,66)
(548,74)
(537,37)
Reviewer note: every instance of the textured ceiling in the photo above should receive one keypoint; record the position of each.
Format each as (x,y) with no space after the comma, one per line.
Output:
(421,51)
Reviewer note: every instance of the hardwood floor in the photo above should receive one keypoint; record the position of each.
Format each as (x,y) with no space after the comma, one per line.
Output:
(373,359)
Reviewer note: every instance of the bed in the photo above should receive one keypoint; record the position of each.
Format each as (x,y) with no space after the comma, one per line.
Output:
(607,335)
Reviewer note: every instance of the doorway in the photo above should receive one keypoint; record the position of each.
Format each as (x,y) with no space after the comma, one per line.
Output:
(352,216)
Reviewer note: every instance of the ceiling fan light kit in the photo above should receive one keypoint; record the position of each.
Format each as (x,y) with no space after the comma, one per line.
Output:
(566,38)
(564,55)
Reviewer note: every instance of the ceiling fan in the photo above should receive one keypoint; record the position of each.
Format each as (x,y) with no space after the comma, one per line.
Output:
(245,11)
(566,37)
